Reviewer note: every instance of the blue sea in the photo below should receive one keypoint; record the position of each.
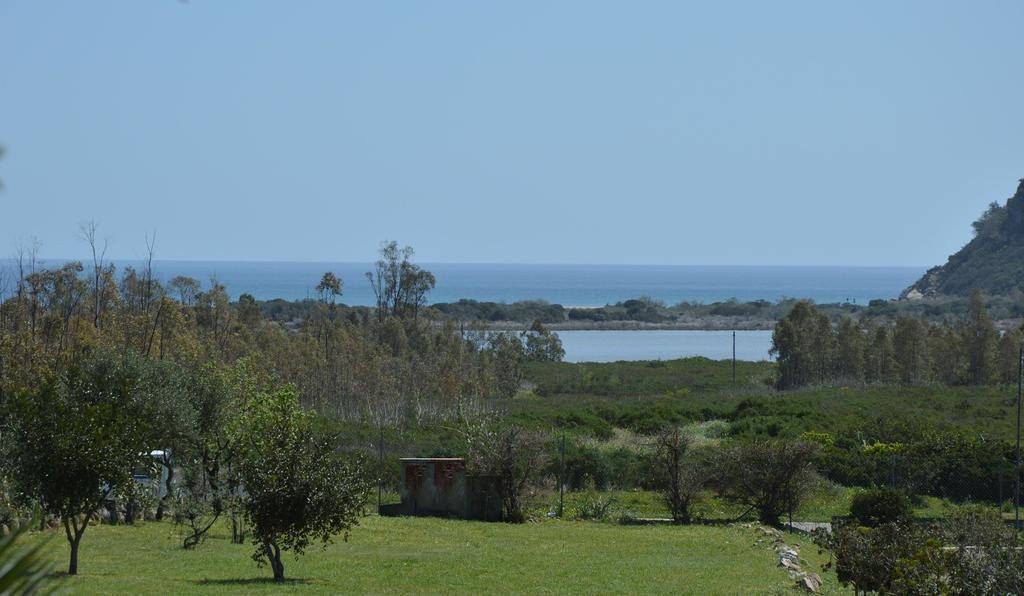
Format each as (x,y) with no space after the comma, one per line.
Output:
(569,285)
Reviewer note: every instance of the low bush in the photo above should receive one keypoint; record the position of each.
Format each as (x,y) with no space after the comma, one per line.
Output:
(867,557)
(880,506)
(594,506)
(604,468)
(768,476)
(971,552)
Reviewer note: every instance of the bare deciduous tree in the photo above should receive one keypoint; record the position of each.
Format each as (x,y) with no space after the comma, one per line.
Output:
(679,476)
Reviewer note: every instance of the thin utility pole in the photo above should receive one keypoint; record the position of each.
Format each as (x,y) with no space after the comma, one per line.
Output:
(1016,479)
(734,357)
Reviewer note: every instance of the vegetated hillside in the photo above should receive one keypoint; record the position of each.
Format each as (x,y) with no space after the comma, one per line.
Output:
(993,260)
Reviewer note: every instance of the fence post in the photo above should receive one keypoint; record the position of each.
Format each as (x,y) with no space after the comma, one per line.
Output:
(561,480)
(1016,471)
(790,491)
(734,357)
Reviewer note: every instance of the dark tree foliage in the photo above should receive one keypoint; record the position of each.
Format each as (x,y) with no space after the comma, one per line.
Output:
(297,489)
(878,506)
(979,339)
(329,288)
(811,351)
(971,551)
(506,355)
(768,476)
(541,345)
(203,448)
(399,286)
(801,343)
(78,437)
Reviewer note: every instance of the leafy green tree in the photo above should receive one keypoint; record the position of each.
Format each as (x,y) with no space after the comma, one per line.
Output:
(542,345)
(879,366)
(804,345)
(910,350)
(979,337)
(186,288)
(850,346)
(196,429)
(506,355)
(1008,356)
(769,476)
(824,349)
(399,286)
(297,489)
(248,310)
(79,436)
(946,354)
(329,288)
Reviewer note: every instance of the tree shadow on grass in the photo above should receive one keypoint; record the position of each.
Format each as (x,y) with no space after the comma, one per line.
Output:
(249,581)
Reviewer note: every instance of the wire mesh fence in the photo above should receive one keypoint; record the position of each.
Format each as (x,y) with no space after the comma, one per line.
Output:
(935,483)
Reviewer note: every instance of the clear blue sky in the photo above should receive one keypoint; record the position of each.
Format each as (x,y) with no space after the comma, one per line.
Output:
(847,133)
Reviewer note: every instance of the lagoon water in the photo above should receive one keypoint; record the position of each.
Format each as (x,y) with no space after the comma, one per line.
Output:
(569,285)
(610,346)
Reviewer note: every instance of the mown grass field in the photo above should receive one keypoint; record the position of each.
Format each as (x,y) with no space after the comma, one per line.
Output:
(422,555)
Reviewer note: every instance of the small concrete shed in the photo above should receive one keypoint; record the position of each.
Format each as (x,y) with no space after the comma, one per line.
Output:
(439,486)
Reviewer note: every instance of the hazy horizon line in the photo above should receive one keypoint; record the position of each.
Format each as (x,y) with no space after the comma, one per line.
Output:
(114,260)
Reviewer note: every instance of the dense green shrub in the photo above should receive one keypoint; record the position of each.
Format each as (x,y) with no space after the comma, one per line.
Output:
(971,552)
(880,506)
(867,557)
(768,476)
(603,468)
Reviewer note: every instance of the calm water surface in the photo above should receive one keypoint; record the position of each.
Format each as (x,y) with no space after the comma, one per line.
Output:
(610,346)
(569,285)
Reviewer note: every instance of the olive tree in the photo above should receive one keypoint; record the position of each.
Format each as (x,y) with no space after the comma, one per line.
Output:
(78,436)
(203,450)
(297,489)
(768,476)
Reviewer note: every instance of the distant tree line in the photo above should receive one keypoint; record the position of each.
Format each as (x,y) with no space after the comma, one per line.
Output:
(103,372)
(811,350)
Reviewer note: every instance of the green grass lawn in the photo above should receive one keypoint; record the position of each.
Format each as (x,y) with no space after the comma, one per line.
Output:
(825,502)
(406,555)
